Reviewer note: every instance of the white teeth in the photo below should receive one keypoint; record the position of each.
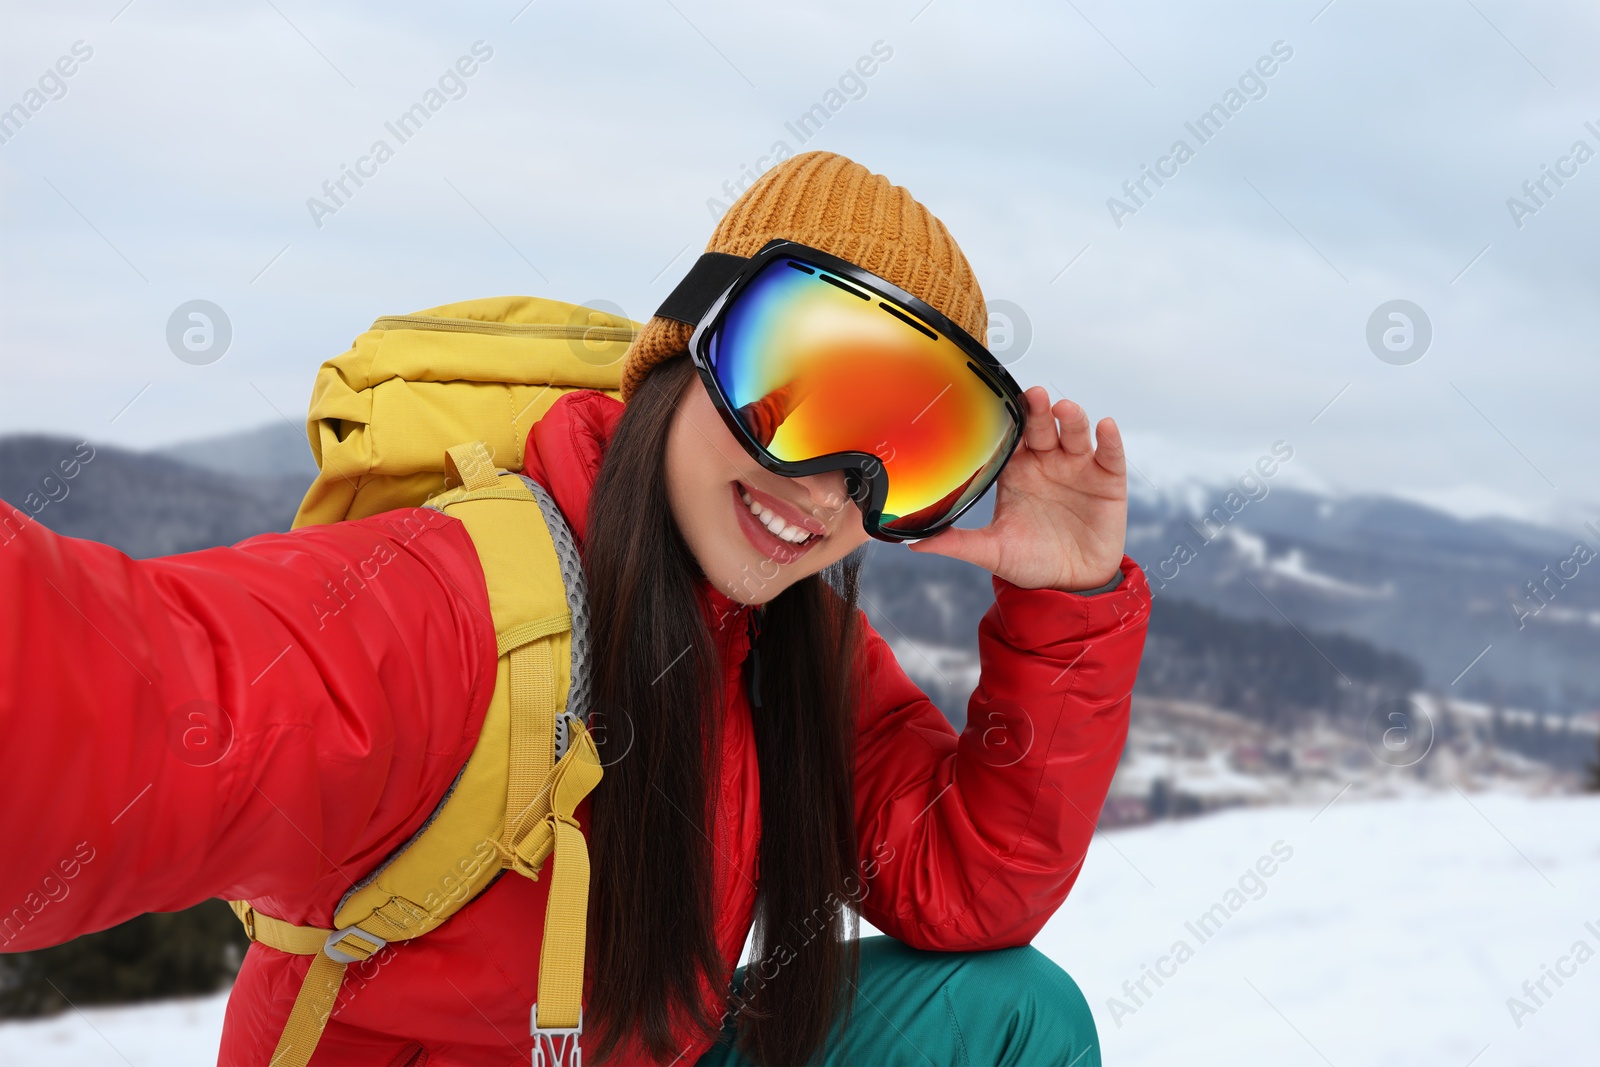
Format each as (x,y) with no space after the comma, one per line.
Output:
(779,528)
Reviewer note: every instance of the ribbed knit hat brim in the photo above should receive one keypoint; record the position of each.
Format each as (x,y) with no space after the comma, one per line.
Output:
(827,201)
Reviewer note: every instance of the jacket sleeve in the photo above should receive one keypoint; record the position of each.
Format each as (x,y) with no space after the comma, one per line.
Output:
(972,841)
(261,721)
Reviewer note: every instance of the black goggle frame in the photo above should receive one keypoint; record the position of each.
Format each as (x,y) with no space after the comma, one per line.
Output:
(715,282)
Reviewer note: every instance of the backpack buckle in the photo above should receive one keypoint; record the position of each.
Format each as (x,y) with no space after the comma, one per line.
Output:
(331,949)
(560,1041)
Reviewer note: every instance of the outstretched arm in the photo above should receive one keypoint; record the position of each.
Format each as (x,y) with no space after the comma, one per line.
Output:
(247,722)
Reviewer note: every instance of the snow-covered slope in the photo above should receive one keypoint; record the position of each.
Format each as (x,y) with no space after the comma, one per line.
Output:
(1388,934)
(173,1033)
(1393,935)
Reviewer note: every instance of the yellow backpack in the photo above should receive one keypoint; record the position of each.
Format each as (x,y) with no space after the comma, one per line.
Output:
(433,409)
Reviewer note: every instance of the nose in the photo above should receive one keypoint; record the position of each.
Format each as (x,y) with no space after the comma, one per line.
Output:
(829,494)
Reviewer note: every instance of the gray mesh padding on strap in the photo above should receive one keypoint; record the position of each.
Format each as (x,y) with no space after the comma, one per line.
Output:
(578,604)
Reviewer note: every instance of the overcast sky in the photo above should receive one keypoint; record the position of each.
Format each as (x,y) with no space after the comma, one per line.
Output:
(1219,312)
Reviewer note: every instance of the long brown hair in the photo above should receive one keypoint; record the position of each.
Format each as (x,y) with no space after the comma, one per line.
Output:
(658,706)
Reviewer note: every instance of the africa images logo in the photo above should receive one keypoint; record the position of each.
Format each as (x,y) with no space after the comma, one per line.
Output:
(1252,85)
(51,85)
(850,85)
(451,85)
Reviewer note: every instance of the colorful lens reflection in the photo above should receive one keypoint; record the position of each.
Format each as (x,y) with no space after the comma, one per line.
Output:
(816,365)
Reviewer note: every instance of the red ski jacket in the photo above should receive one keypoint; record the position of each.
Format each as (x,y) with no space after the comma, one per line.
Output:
(268,721)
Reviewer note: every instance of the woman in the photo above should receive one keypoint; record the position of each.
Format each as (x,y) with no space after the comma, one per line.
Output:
(735,673)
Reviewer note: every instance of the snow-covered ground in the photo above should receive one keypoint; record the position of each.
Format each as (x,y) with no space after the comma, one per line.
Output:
(172,1033)
(1386,933)
(1393,935)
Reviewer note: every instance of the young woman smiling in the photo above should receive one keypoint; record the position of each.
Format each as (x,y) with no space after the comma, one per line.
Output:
(816,380)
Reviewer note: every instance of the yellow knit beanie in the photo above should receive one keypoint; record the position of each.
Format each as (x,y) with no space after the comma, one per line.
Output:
(826,201)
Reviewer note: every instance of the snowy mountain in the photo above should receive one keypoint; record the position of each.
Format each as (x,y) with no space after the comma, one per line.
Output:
(145,504)
(1491,609)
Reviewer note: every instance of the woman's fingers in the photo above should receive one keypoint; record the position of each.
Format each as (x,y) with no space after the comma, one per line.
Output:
(977,547)
(1074,434)
(1074,428)
(1110,454)
(1039,430)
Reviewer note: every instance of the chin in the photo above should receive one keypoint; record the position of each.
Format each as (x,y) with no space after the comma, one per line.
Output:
(757,579)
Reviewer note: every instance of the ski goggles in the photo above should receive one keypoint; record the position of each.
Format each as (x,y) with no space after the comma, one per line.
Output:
(817,365)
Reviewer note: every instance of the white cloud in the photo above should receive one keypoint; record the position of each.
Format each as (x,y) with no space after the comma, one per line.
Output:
(1215,319)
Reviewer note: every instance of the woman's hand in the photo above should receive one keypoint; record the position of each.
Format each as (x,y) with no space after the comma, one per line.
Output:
(1061,504)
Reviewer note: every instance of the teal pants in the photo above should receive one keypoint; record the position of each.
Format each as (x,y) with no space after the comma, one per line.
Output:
(1008,1006)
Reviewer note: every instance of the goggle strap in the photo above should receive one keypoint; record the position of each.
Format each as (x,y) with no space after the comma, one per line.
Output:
(699,289)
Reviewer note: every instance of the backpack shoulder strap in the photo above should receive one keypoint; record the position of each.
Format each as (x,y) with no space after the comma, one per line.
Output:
(512,804)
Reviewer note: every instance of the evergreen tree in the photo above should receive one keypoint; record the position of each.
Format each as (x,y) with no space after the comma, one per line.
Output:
(163,954)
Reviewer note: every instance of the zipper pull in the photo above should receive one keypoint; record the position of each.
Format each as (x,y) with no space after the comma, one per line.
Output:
(753,675)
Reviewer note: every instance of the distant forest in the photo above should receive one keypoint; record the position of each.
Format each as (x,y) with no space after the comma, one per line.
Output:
(1269,672)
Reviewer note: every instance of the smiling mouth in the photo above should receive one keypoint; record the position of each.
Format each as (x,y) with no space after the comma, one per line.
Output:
(775,525)
(769,533)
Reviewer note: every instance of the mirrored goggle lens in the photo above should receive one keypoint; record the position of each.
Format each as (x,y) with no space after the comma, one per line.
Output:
(816,365)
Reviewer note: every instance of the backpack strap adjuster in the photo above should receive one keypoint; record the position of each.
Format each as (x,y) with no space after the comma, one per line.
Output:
(331,947)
